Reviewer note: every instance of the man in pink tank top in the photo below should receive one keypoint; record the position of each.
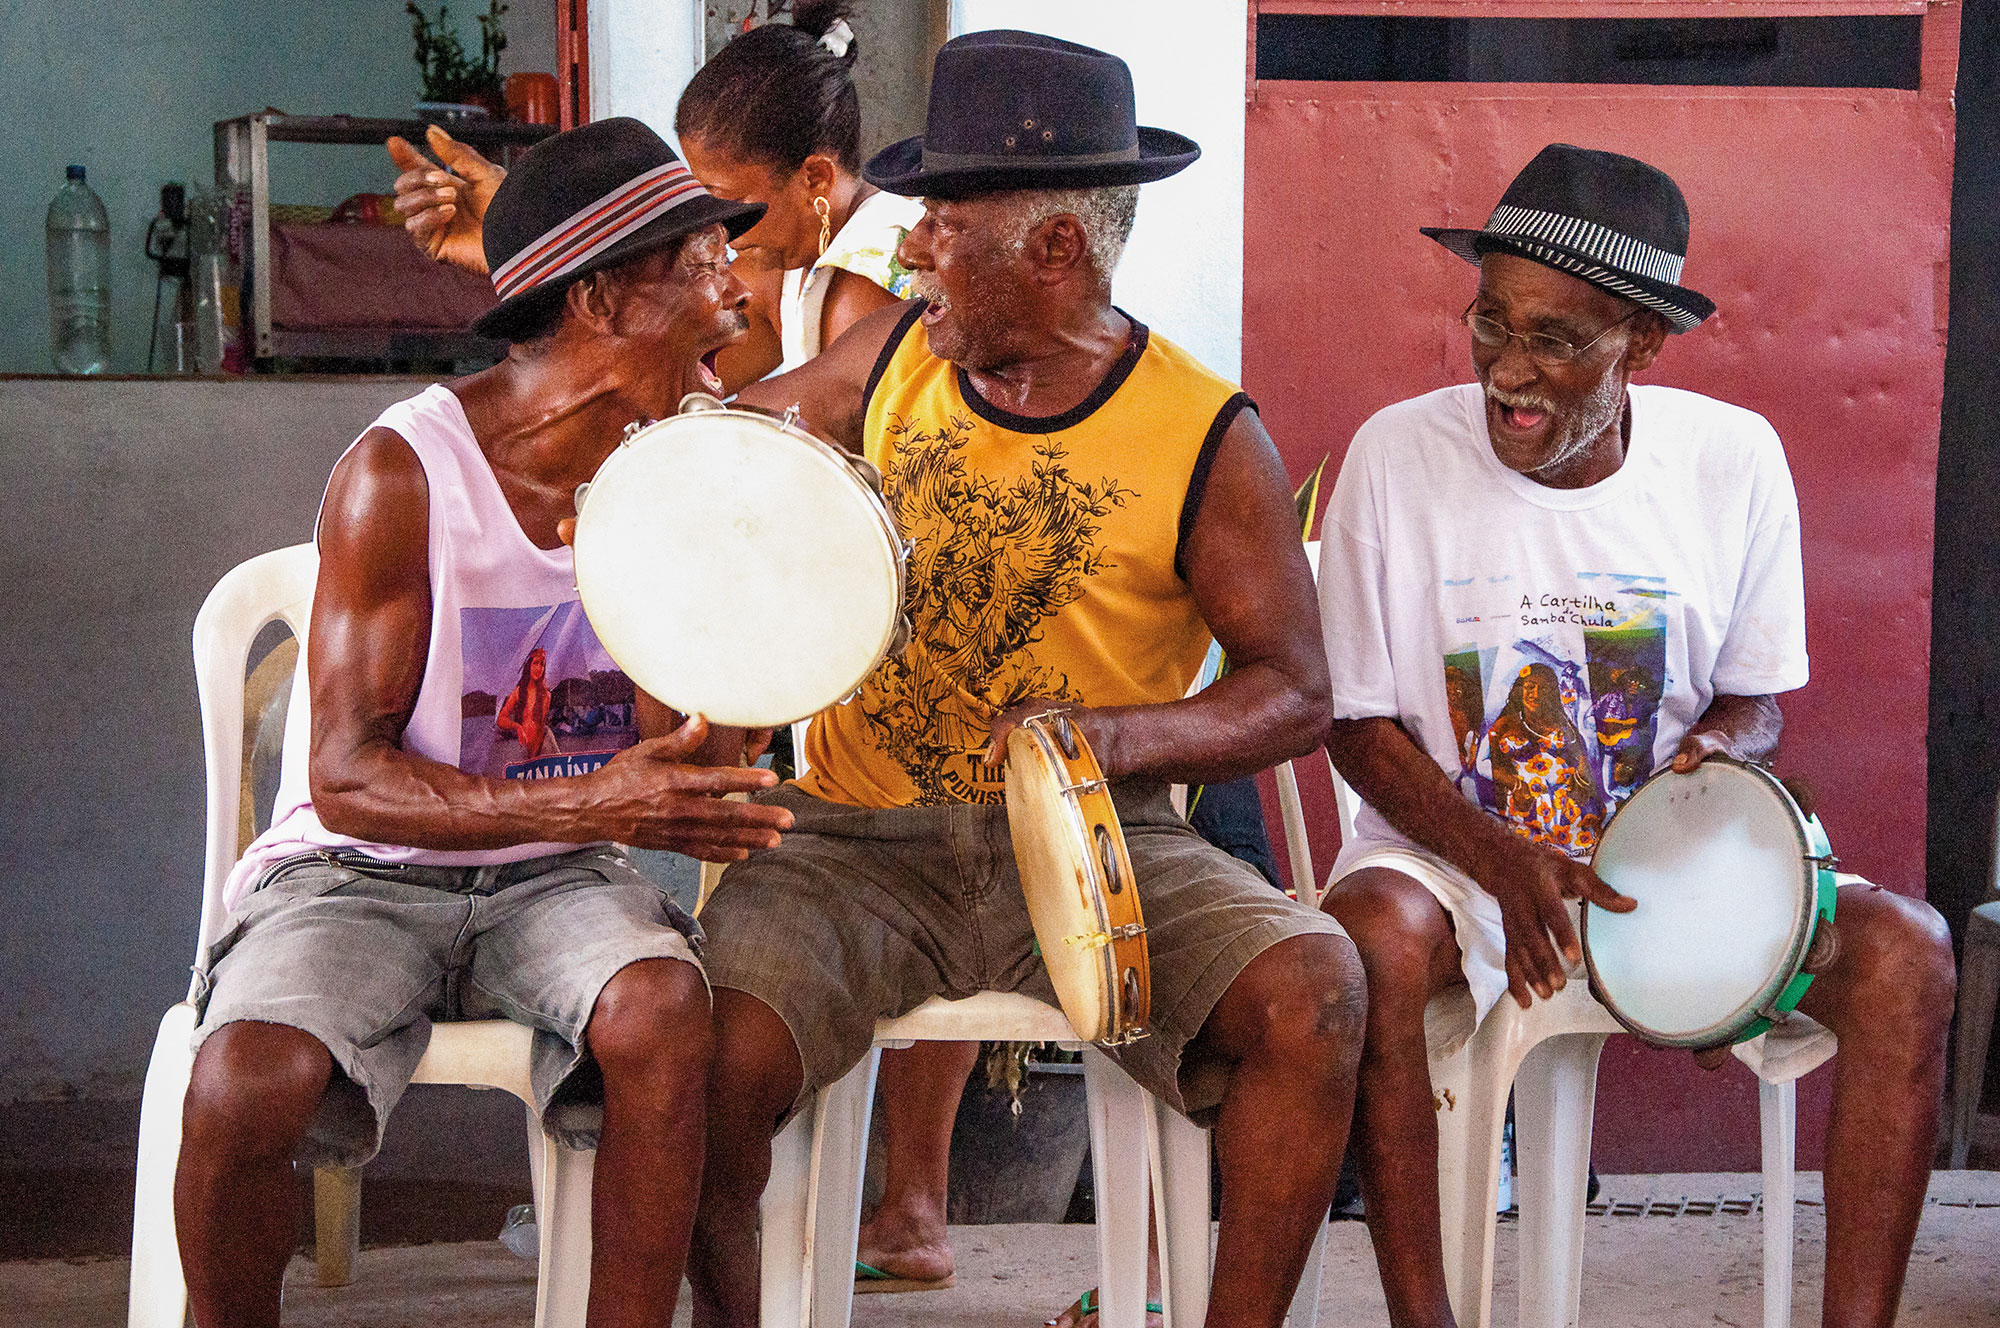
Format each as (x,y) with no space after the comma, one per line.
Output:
(428,862)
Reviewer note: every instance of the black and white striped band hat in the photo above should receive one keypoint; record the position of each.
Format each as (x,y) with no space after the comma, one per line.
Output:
(1612,220)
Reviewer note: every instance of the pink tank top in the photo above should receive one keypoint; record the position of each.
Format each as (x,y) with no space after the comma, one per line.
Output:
(516,685)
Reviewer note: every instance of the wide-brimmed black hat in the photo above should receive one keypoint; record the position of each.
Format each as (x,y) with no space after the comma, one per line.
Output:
(585,200)
(1613,221)
(1017,110)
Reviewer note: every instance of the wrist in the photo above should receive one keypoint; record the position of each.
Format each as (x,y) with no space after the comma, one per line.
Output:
(1497,853)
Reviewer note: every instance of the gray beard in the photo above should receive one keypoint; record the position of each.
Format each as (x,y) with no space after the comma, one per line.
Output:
(1596,413)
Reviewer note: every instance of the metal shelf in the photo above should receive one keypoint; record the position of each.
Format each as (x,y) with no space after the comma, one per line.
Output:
(362,129)
(243,163)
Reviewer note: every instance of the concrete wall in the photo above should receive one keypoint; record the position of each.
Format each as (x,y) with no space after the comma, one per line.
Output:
(131,92)
(127,500)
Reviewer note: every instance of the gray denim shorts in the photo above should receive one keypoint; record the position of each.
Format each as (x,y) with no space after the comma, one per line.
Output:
(364,955)
(861,914)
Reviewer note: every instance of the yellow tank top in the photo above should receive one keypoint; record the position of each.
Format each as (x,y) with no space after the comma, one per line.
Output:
(1045,562)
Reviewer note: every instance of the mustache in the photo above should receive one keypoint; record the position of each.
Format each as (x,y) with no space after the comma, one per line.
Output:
(925,286)
(739,320)
(1520,400)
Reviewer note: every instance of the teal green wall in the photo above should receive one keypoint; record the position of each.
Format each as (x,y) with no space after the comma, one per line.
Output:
(131,88)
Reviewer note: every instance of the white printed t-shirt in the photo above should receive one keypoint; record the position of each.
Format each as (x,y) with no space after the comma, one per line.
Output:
(1549,648)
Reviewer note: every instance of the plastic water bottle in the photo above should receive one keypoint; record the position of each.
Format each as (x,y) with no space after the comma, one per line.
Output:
(519,1233)
(79,279)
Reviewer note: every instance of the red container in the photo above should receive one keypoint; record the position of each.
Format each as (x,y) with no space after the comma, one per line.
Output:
(531,98)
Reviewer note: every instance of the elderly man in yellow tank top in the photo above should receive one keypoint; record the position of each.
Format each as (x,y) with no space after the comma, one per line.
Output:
(1088,505)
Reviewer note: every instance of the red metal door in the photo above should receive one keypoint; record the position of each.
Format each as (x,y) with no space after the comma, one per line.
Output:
(1820,227)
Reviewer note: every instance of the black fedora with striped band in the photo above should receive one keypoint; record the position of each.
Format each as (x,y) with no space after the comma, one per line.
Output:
(1611,220)
(585,200)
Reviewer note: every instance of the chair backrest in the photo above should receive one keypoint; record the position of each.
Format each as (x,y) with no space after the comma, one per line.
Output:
(272,587)
(1298,849)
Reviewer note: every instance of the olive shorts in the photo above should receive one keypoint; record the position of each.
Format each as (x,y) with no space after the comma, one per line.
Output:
(861,914)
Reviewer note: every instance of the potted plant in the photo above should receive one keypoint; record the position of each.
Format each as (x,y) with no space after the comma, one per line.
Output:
(455,83)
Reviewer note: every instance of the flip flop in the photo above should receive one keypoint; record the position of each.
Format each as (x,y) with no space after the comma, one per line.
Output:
(869,1279)
(1087,1302)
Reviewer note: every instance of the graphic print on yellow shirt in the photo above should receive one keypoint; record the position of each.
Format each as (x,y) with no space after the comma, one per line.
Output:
(1043,563)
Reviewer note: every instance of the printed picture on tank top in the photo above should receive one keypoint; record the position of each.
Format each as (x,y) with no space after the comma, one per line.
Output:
(994,559)
(542,699)
(1554,697)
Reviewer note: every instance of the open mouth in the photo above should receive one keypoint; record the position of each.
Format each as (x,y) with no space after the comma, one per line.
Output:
(1518,414)
(710,379)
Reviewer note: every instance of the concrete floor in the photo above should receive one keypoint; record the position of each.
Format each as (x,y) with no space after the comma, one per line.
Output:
(1640,1272)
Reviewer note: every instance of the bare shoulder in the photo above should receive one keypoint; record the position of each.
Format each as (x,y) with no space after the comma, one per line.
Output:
(851,297)
(377,509)
(831,389)
(1244,537)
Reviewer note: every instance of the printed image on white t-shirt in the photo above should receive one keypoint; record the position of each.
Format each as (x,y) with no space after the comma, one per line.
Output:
(1554,698)
(543,699)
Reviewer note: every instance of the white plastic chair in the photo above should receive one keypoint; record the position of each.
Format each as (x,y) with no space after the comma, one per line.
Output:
(484,1053)
(812,1207)
(1548,1055)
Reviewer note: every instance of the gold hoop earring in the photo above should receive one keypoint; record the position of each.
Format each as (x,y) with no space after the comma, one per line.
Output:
(825,211)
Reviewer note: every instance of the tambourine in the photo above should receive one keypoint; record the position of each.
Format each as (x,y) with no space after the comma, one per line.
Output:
(1077,875)
(737,567)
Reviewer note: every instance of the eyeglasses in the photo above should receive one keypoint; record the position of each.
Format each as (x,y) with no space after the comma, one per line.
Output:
(1542,348)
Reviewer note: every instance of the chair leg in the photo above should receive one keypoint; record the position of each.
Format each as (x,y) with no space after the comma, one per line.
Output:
(784,1219)
(336,1224)
(535,1154)
(1181,1203)
(562,1291)
(1778,1107)
(157,1292)
(840,1157)
(1555,1091)
(1978,992)
(1470,1113)
(1117,1110)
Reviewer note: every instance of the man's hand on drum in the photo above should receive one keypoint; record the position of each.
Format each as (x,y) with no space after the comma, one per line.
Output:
(1003,723)
(656,798)
(1532,883)
(1745,728)
(443,209)
(1697,746)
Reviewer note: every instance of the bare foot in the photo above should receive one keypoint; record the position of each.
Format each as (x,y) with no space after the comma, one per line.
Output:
(1083,1313)
(905,1246)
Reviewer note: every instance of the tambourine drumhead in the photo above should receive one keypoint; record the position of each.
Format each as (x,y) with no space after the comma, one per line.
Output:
(1718,862)
(1050,842)
(737,569)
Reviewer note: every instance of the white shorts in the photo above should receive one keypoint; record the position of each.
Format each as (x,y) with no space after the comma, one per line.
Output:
(1475,921)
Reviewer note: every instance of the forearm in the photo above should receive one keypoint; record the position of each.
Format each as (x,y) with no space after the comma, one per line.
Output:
(1399,780)
(1744,727)
(385,795)
(1248,720)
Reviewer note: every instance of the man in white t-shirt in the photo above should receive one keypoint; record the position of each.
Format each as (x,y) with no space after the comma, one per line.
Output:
(1538,589)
